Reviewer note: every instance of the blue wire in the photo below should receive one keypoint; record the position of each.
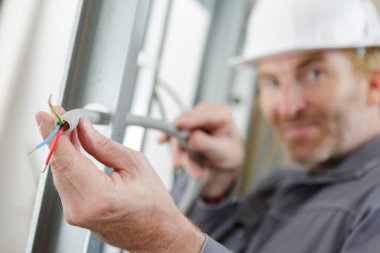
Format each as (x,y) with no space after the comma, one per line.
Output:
(51,136)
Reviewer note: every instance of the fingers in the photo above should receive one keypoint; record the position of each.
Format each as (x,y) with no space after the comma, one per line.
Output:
(207,145)
(59,109)
(106,151)
(74,139)
(163,138)
(192,168)
(72,171)
(178,152)
(81,186)
(181,159)
(48,123)
(74,134)
(204,116)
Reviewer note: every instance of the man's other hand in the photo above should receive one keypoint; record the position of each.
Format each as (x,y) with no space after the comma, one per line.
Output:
(214,135)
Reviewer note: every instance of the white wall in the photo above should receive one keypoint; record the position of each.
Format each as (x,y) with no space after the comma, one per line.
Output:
(34,40)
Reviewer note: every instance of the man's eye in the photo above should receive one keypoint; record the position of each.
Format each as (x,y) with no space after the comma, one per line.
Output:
(269,83)
(314,74)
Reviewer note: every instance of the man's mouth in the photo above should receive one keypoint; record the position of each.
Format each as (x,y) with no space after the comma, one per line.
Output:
(298,129)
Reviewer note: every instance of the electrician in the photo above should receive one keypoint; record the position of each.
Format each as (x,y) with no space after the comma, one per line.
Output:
(318,72)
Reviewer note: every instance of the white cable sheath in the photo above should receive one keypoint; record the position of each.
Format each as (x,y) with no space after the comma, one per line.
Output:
(72,118)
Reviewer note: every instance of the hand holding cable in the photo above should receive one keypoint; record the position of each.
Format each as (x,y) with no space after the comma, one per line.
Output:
(68,122)
(194,185)
(56,133)
(129,208)
(213,134)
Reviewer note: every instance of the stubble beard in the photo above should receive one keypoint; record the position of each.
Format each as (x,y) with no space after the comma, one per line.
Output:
(344,137)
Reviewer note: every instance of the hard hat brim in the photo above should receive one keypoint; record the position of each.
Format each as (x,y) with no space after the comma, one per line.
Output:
(247,61)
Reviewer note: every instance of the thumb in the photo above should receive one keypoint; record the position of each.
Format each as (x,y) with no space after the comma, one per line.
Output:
(108,152)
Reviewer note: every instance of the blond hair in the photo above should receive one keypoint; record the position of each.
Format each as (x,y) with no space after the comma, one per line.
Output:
(365,60)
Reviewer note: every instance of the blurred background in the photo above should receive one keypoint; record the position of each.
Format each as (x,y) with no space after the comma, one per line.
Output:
(154,58)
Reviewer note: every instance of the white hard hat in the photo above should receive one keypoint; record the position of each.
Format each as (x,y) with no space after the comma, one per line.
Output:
(283,26)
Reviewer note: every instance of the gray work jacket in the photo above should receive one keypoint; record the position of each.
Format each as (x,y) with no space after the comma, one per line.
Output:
(295,211)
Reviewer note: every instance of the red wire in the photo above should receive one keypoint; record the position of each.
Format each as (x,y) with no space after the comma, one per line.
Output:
(57,137)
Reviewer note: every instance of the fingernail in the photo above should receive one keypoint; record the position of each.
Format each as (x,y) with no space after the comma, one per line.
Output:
(38,119)
(88,125)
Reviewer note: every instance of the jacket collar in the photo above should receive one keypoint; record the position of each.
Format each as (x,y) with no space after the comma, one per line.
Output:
(354,166)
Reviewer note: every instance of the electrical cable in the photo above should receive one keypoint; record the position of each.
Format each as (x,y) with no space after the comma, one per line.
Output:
(46,141)
(193,187)
(72,118)
(57,132)
(156,97)
(60,120)
(175,97)
(54,146)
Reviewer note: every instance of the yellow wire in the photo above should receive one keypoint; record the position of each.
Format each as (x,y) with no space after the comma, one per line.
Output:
(60,120)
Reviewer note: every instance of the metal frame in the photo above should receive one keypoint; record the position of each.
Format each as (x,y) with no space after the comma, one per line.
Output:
(102,67)
(226,34)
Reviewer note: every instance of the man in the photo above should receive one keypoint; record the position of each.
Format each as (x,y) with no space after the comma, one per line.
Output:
(318,70)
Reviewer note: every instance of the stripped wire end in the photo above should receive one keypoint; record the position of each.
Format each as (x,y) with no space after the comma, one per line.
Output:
(60,120)
(54,146)
(32,150)
(44,167)
(61,126)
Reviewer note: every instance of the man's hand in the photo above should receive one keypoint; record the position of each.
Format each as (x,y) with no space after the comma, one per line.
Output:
(130,208)
(214,135)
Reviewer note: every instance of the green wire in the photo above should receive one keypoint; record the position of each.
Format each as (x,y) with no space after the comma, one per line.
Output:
(60,120)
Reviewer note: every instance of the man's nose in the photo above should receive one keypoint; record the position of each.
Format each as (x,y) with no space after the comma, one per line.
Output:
(291,101)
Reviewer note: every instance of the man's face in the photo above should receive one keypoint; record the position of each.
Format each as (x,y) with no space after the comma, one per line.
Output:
(316,103)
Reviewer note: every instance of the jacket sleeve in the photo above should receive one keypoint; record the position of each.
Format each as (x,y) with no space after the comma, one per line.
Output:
(365,236)
(212,246)
(209,218)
